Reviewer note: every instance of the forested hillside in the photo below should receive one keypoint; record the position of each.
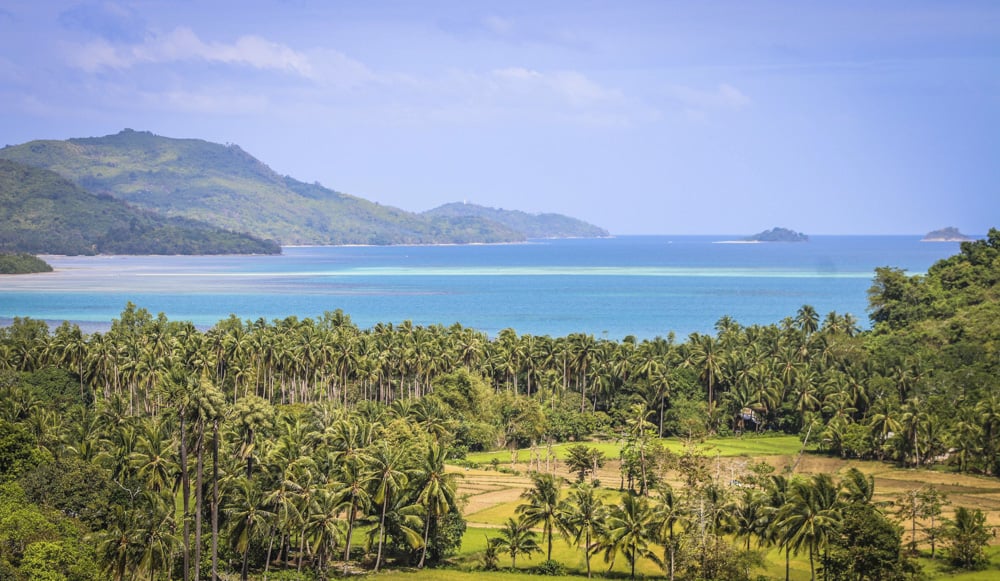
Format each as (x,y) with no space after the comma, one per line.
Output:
(531,225)
(43,213)
(278,439)
(225,186)
(21,263)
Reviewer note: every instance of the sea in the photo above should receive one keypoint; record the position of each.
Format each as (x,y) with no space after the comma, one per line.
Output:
(643,286)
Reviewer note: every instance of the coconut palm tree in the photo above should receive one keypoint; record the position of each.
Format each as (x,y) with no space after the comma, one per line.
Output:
(436,491)
(249,514)
(153,457)
(811,516)
(354,478)
(629,531)
(582,516)
(668,515)
(542,505)
(390,479)
(323,527)
(516,538)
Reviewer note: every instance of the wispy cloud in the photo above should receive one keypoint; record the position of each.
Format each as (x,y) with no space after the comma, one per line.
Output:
(182,44)
(571,87)
(335,81)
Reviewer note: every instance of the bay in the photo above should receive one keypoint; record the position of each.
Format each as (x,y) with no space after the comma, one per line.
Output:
(644,286)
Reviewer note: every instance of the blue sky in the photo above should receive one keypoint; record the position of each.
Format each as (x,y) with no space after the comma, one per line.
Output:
(642,117)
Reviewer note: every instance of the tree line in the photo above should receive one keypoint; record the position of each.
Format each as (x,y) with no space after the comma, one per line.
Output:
(154,410)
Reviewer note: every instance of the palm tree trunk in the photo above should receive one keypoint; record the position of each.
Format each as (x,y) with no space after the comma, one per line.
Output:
(427,533)
(267,561)
(381,533)
(350,530)
(548,531)
(199,500)
(215,500)
(671,553)
(186,495)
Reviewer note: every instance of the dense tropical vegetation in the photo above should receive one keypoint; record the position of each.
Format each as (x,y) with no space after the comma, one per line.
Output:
(22,263)
(313,447)
(42,212)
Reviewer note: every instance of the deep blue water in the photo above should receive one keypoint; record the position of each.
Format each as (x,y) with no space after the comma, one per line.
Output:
(635,285)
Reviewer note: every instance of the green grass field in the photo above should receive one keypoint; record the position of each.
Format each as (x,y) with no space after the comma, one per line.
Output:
(492,497)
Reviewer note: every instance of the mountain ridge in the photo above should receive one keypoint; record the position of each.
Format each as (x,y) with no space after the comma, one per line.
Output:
(541,225)
(227,187)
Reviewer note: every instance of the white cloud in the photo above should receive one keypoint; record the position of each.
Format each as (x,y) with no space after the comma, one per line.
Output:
(182,44)
(571,87)
(339,83)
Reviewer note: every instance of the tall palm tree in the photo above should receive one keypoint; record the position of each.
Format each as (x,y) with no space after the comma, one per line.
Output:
(706,357)
(436,491)
(119,545)
(157,532)
(324,527)
(811,516)
(542,505)
(629,531)
(208,407)
(248,514)
(354,479)
(668,515)
(582,516)
(747,512)
(154,456)
(181,390)
(776,492)
(390,479)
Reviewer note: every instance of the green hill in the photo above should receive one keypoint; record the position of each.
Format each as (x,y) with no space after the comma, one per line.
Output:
(44,213)
(530,225)
(22,263)
(227,187)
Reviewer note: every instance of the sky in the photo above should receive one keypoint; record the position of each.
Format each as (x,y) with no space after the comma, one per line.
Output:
(663,117)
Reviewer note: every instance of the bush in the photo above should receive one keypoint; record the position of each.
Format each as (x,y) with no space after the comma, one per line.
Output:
(550,567)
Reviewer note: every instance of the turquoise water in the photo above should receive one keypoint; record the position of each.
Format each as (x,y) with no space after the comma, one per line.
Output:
(635,285)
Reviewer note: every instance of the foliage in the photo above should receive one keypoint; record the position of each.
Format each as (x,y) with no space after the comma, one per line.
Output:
(967,535)
(530,225)
(22,263)
(867,546)
(41,212)
(259,445)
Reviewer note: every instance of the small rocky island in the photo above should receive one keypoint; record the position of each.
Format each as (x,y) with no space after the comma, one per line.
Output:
(778,235)
(949,234)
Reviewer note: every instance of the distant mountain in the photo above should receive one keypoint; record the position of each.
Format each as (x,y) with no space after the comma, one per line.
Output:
(949,234)
(530,225)
(42,212)
(227,187)
(778,235)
